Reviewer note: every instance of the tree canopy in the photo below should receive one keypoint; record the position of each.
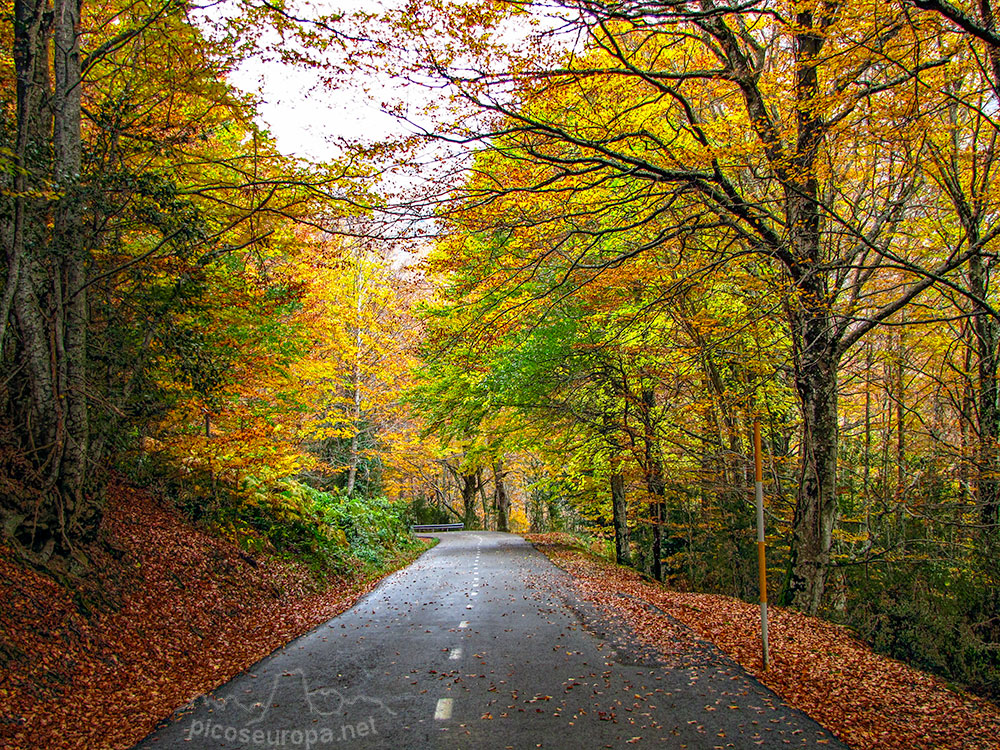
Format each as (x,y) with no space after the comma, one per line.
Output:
(629,231)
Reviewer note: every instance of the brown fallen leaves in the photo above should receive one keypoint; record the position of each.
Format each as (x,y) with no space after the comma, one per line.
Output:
(868,700)
(176,613)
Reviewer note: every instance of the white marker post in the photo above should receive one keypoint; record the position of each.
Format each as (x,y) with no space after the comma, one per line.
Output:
(761,552)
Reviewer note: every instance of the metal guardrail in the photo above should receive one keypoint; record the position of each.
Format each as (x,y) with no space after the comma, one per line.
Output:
(437,527)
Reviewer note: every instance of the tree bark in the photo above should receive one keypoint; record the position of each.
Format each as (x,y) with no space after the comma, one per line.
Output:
(619,514)
(354,458)
(619,503)
(655,481)
(900,387)
(501,499)
(31,71)
(987,333)
(47,272)
(814,333)
(67,147)
(470,485)
(31,31)
(816,383)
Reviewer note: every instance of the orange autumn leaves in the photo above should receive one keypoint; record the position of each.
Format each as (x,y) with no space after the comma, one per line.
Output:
(318,351)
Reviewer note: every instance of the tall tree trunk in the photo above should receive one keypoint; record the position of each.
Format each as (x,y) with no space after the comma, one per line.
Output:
(352,466)
(486,507)
(813,328)
(900,387)
(31,71)
(470,485)
(72,280)
(31,62)
(619,506)
(816,502)
(655,481)
(536,512)
(966,431)
(354,458)
(501,499)
(47,272)
(537,523)
(973,210)
(619,515)
(987,332)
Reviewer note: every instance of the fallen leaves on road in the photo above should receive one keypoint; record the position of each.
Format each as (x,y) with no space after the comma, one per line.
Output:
(870,701)
(176,613)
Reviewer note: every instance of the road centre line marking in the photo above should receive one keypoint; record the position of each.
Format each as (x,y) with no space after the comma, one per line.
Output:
(443,710)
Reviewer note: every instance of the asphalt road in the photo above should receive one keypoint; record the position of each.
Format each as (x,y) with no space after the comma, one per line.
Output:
(481,644)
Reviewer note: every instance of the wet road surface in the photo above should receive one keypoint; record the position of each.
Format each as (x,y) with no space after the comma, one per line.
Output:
(481,643)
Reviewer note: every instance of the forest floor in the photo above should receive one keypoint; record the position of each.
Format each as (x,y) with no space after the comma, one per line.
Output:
(169,613)
(867,700)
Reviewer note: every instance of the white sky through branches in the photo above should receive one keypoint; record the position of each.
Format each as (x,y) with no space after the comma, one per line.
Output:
(310,119)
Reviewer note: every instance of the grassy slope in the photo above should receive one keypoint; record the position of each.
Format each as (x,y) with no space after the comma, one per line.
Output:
(175,612)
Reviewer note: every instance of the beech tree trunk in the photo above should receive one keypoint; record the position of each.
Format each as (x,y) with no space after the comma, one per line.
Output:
(987,333)
(619,515)
(619,504)
(501,499)
(816,382)
(71,280)
(814,333)
(470,485)
(355,454)
(655,481)
(47,277)
(486,505)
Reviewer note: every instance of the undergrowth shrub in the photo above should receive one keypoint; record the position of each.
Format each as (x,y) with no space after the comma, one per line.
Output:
(942,620)
(324,529)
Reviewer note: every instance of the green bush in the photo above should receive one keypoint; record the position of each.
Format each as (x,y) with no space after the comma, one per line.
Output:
(374,527)
(941,620)
(326,530)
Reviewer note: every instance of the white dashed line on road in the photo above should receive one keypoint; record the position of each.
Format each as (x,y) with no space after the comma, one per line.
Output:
(443,710)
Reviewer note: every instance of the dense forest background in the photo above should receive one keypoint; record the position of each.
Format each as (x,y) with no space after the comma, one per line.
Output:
(627,231)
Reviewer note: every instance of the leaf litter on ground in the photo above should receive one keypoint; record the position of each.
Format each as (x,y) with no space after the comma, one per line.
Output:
(166,613)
